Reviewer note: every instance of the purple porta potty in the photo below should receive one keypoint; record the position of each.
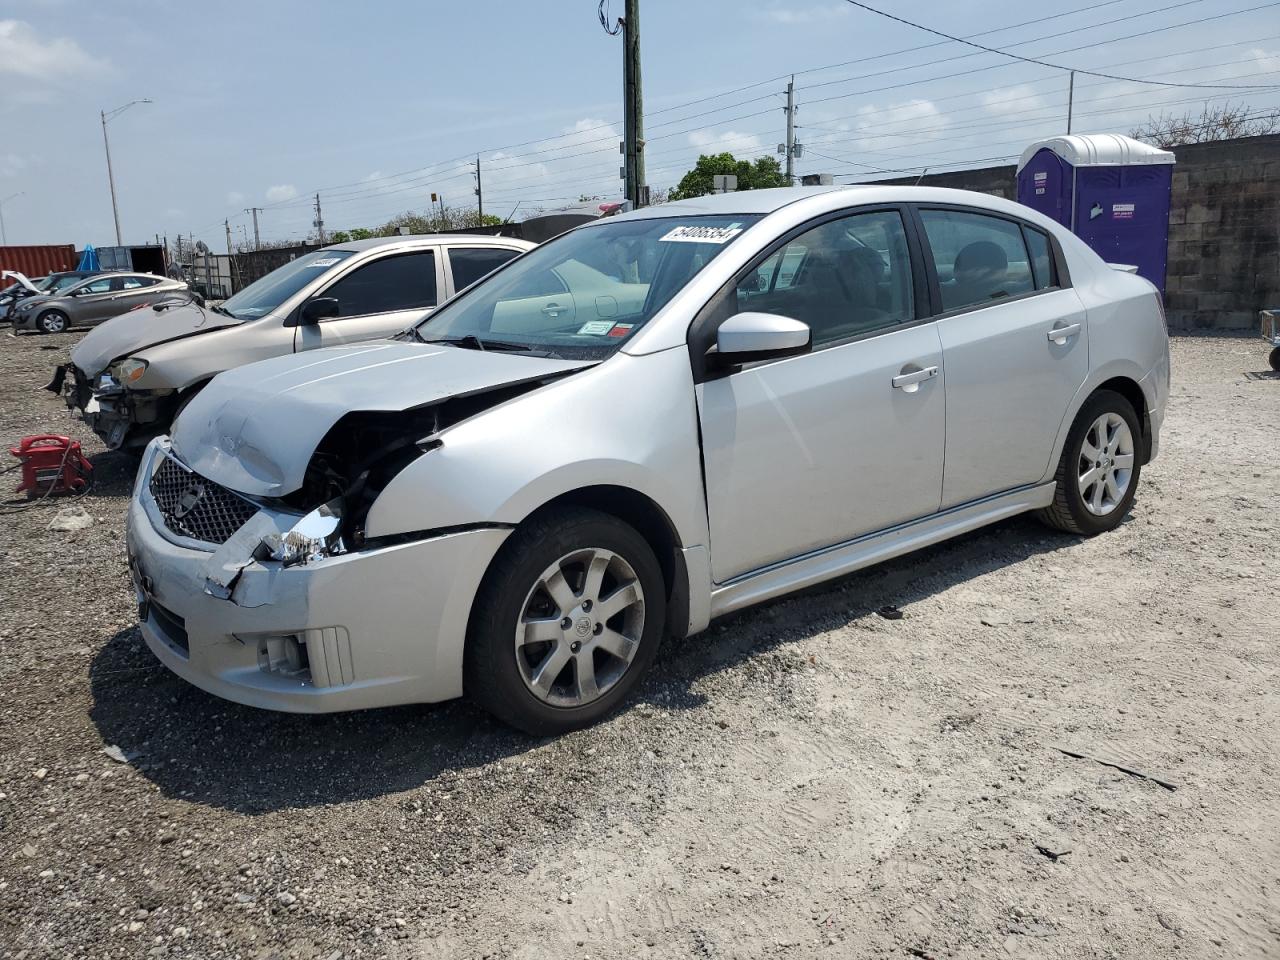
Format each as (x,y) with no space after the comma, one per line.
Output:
(1111,190)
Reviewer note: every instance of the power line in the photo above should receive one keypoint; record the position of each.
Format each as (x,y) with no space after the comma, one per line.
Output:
(1056,66)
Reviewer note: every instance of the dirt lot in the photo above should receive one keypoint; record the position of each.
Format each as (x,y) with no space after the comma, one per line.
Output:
(806,779)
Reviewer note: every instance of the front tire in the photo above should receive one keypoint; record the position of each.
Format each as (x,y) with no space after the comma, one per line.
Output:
(53,321)
(1097,476)
(567,619)
(1274,359)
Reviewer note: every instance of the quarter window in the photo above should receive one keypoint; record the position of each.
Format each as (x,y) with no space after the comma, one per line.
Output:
(978,258)
(843,278)
(406,281)
(469,264)
(1041,258)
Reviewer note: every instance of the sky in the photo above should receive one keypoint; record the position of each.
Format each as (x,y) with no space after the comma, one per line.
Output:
(377,105)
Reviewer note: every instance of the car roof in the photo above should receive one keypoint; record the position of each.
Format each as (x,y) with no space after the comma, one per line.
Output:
(834,197)
(471,239)
(744,201)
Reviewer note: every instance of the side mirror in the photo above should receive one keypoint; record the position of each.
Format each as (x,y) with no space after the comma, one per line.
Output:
(747,337)
(317,309)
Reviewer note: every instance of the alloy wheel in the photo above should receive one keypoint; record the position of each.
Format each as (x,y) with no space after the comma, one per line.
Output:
(1106,464)
(580,627)
(53,322)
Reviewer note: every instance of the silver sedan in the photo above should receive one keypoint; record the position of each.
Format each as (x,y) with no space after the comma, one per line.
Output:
(644,424)
(94,300)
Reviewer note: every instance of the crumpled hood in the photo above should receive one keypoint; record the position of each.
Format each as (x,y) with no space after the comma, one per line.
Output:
(254,428)
(136,330)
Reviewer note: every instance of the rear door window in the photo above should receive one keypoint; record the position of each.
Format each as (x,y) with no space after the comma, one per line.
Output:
(979,259)
(469,264)
(404,281)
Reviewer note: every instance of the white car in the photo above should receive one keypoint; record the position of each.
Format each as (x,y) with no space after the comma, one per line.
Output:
(643,424)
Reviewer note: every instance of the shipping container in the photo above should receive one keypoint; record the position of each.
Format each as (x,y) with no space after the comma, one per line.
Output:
(146,258)
(38,261)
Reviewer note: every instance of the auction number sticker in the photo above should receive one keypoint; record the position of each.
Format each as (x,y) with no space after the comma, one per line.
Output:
(695,234)
(596,328)
(324,262)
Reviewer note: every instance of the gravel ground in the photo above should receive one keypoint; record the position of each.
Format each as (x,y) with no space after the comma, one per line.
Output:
(805,779)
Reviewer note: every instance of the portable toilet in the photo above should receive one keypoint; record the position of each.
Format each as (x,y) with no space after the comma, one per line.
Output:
(1111,191)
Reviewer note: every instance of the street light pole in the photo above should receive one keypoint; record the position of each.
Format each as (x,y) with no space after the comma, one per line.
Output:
(4,239)
(106,143)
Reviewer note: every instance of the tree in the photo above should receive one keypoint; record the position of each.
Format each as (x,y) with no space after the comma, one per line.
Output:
(763,172)
(1212,123)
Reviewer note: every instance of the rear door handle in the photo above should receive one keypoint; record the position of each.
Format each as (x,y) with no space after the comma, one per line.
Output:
(1062,333)
(910,382)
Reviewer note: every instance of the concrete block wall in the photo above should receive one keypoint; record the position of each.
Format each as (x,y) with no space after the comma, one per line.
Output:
(1224,229)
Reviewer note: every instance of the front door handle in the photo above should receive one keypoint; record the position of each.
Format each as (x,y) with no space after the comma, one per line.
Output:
(1060,334)
(910,382)
(553,309)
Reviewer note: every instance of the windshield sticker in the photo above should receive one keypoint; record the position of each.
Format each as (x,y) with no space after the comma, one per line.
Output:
(596,328)
(621,329)
(695,234)
(324,262)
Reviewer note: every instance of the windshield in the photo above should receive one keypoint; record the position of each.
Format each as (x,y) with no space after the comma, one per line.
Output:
(582,295)
(262,296)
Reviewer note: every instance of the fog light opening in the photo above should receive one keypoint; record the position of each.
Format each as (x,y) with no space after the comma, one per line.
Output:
(284,655)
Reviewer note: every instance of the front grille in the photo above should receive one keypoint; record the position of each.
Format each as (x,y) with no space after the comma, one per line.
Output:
(195,507)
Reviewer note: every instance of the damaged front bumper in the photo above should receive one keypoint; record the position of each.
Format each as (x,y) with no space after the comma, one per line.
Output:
(115,413)
(361,629)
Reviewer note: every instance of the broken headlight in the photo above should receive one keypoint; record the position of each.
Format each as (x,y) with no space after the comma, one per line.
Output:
(317,535)
(130,370)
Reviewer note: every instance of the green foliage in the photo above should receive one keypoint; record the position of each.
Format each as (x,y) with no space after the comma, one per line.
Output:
(432,221)
(763,172)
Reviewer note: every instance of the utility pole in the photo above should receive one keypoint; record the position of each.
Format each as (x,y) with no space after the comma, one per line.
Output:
(479,193)
(638,193)
(227,225)
(4,239)
(790,109)
(106,143)
(1071,96)
(257,240)
(632,102)
(319,222)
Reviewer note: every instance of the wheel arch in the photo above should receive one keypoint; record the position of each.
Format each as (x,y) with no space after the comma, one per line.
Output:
(1125,379)
(647,518)
(1132,391)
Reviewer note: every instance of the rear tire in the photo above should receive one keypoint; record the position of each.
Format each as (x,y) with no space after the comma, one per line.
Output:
(1274,359)
(53,321)
(1097,476)
(567,619)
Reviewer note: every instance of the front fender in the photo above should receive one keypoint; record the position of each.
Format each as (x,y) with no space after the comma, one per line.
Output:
(628,422)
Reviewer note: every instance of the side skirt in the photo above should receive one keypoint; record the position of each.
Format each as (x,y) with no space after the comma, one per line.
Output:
(787,576)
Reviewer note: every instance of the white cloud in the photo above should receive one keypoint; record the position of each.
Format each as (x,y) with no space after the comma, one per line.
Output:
(11,164)
(284,191)
(726,141)
(235,198)
(24,52)
(803,15)
(886,126)
(561,165)
(1266,60)
(1013,100)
